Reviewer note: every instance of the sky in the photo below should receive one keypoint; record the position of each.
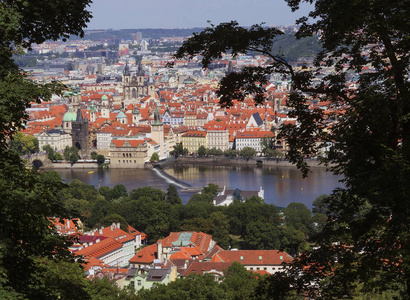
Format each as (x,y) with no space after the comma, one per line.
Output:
(133,14)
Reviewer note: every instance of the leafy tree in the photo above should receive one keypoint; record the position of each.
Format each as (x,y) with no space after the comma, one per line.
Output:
(101,209)
(148,191)
(100,159)
(24,144)
(50,152)
(71,154)
(104,190)
(58,156)
(299,217)
(211,189)
(255,199)
(220,228)
(94,155)
(369,138)
(154,157)
(29,200)
(248,152)
(231,152)
(238,282)
(214,151)
(192,287)
(119,190)
(107,289)
(179,150)
(268,146)
(202,150)
(172,196)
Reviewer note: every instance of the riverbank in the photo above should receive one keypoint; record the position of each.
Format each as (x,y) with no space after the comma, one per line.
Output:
(200,161)
(235,161)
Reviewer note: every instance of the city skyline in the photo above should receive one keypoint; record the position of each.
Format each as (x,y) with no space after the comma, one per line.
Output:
(130,14)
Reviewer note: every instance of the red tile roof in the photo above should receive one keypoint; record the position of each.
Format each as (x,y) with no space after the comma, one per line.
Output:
(252,257)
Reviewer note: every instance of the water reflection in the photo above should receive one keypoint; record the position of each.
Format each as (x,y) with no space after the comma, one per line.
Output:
(282,185)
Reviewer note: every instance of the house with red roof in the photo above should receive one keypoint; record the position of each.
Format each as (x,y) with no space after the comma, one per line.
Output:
(270,261)
(108,250)
(252,139)
(128,153)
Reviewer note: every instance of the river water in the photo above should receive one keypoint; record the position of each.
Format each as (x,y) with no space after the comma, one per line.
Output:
(282,185)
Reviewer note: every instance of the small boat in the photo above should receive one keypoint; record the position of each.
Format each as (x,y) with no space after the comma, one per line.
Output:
(91,172)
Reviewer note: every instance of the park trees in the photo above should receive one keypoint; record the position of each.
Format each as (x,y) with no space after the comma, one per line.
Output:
(365,238)
(24,144)
(71,154)
(179,150)
(154,157)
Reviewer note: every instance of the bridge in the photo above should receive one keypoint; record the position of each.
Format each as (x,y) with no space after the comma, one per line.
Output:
(38,160)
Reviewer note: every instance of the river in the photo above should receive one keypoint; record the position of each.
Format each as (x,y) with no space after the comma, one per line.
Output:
(282,185)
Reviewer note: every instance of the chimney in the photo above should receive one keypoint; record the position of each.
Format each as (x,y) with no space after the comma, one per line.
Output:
(159,250)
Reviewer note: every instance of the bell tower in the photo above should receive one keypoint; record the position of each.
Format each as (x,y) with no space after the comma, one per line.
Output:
(157,132)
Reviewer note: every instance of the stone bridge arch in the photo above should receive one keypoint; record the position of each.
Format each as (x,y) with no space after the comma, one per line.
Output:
(39,160)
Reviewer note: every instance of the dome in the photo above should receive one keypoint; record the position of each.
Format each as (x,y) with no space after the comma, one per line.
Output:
(69,116)
(104,97)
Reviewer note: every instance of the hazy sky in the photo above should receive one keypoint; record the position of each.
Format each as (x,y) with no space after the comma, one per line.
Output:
(124,14)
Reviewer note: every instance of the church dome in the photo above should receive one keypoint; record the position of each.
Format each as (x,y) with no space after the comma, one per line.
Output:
(69,116)
(104,97)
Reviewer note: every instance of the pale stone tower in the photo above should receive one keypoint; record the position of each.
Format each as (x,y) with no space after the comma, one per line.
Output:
(157,132)
(105,110)
(93,111)
(151,87)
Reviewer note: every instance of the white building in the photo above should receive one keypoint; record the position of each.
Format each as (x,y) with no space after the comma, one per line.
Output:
(57,139)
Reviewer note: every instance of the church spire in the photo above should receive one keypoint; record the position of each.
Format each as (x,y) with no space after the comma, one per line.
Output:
(127,69)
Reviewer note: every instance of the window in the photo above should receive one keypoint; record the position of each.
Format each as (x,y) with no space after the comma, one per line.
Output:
(139,283)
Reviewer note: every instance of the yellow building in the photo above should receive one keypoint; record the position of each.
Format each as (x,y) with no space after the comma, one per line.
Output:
(193,139)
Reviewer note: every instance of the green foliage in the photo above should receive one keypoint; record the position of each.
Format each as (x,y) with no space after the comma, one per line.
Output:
(231,152)
(71,154)
(293,49)
(255,199)
(220,228)
(211,189)
(277,284)
(154,157)
(201,150)
(24,144)
(179,150)
(248,152)
(50,152)
(215,152)
(94,155)
(100,159)
(369,137)
(58,156)
(202,287)
(27,200)
(107,289)
(172,196)
(238,283)
(116,192)
(114,218)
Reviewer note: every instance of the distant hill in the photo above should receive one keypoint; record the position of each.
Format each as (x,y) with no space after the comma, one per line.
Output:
(293,49)
(129,34)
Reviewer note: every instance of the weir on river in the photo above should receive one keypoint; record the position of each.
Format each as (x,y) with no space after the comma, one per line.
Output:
(281,185)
